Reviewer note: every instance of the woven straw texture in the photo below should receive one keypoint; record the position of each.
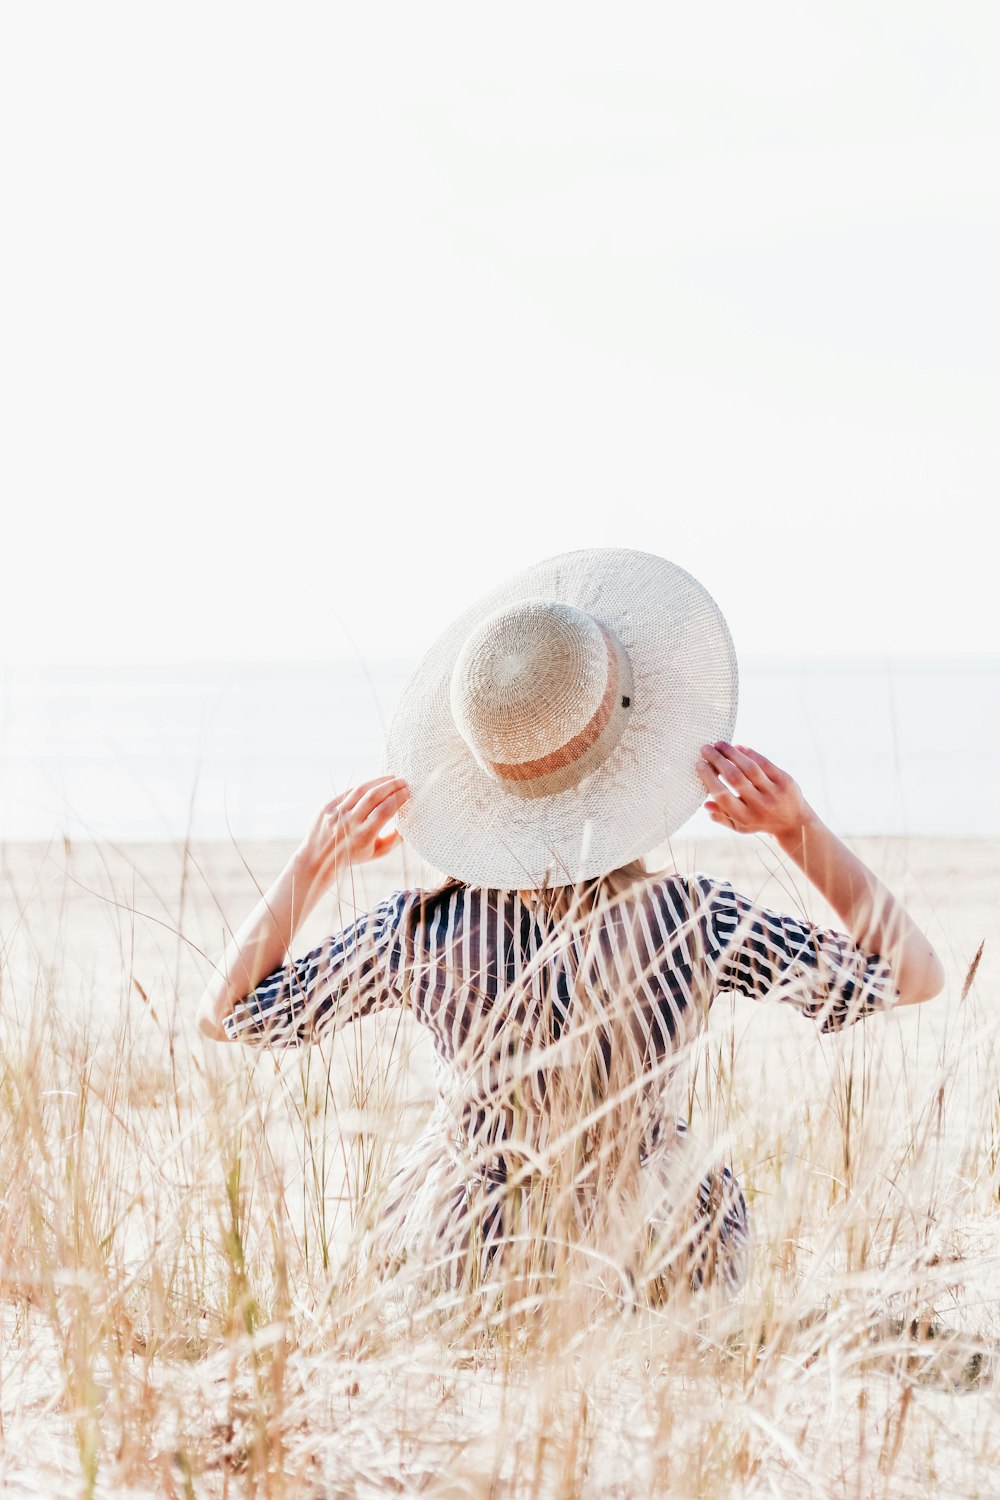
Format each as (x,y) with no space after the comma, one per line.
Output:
(684,689)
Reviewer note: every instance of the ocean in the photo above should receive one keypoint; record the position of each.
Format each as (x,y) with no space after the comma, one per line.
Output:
(251,751)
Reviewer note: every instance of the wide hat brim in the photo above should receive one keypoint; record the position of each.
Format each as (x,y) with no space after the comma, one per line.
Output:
(469,825)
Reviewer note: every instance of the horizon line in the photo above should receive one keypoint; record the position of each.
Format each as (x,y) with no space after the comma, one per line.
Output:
(978,658)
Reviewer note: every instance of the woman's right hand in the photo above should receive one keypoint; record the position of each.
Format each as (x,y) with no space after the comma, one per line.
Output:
(759,797)
(765,799)
(348,830)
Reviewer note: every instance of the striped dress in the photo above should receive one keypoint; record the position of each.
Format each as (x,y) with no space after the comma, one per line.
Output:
(558,1043)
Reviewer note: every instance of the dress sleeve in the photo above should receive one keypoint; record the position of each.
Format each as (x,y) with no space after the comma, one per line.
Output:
(819,970)
(348,976)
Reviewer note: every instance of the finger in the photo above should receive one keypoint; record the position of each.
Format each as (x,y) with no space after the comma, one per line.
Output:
(344,801)
(746,766)
(736,822)
(720,817)
(731,807)
(383,806)
(773,772)
(369,793)
(388,841)
(725,800)
(384,809)
(704,771)
(709,777)
(358,793)
(722,764)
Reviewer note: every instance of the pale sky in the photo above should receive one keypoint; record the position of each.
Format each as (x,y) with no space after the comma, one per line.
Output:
(317,321)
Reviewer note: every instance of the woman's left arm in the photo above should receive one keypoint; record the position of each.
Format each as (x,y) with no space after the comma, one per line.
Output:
(347,831)
(763,798)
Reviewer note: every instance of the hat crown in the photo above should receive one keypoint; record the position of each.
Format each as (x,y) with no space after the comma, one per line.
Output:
(528,680)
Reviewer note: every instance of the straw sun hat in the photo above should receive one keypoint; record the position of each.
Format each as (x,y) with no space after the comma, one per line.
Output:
(551,733)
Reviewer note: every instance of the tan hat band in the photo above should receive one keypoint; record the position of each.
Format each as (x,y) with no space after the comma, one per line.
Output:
(575,748)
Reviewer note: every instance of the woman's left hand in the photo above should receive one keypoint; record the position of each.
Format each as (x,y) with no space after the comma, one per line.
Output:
(760,797)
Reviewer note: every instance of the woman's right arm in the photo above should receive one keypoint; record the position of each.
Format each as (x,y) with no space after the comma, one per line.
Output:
(347,831)
(761,798)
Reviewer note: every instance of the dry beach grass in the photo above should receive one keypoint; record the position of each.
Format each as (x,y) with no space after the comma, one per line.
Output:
(183,1311)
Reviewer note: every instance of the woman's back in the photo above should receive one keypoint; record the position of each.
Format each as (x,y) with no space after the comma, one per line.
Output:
(553,1023)
(558,1023)
(655,953)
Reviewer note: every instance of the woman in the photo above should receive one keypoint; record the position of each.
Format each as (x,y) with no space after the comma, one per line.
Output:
(560,729)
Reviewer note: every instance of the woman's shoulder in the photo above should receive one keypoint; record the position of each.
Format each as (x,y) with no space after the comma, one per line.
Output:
(419,905)
(695,886)
(685,899)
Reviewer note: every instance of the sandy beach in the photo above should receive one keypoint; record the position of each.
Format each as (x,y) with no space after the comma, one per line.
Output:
(870,1161)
